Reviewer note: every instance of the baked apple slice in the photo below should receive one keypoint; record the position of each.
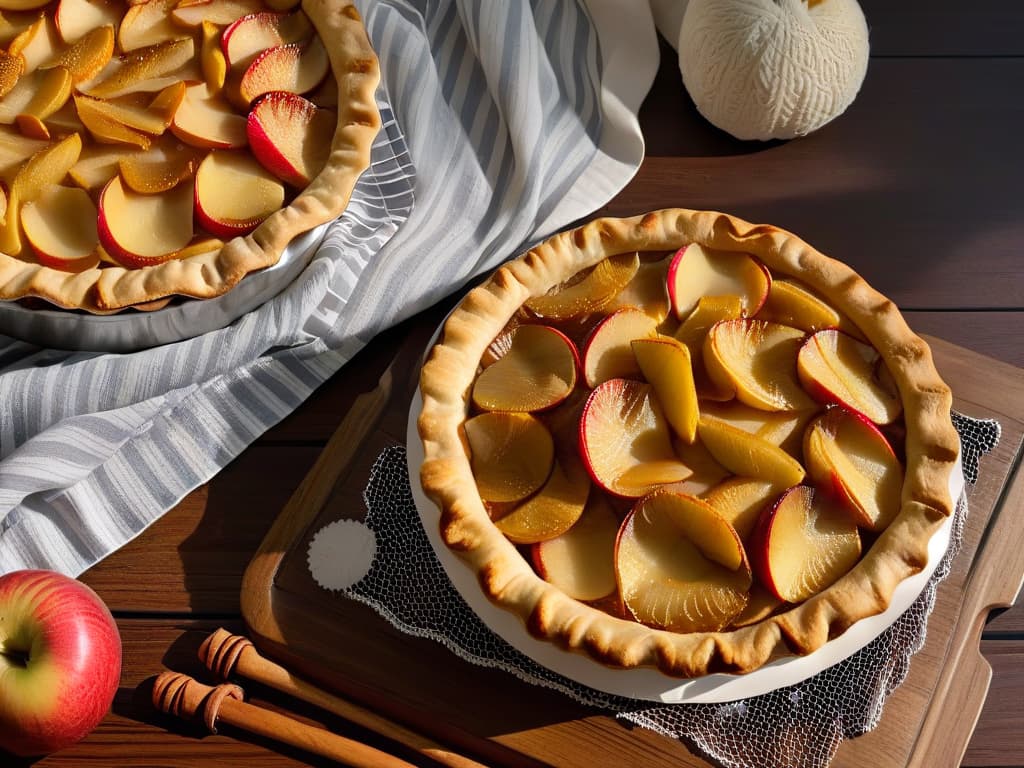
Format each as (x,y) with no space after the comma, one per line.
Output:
(142,230)
(665,363)
(741,500)
(646,291)
(98,163)
(220,210)
(60,225)
(254,33)
(511,454)
(748,455)
(537,372)
(848,455)
(804,543)
(37,44)
(11,69)
(146,24)
(707,472)
(625,441)
(581,561)
(836,368)
(590,293)
(694,330)
(555,508)
(783,428)
(192,13)
(76,18)
(163,167)
(608,352)
(698,271)
(15,149)
(290,136)
(757,361)
(205,121)
(680,566)
(144,69)
(791,304)
(295,68)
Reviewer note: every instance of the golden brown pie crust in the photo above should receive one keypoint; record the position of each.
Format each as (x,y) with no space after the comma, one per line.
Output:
(211,274)
(508,580)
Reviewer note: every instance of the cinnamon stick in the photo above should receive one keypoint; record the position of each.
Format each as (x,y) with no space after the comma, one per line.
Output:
(226,654)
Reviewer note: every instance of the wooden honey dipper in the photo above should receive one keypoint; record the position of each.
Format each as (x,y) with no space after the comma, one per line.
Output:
(225,655)
(180,695)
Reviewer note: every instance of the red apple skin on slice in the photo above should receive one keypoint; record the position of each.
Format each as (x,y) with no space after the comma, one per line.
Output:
(608,352)
(848,455)
(234,194)
(581,561)
(143,230)
(803,544)
(757,360)
(591,293)
(680,566)
(698,271)
(625,441)
(665,363)
(294,68)
(290,136)
(511,454)
(250,35)
(836,368)
(60,225)
(537,372)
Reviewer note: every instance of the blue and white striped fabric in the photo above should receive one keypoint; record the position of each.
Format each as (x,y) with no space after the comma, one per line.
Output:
(505,121)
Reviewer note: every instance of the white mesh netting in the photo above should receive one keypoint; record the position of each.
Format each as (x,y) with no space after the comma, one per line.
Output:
(799,726)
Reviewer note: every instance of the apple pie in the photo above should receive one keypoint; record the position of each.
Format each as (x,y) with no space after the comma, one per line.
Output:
(170,147)
(685,441)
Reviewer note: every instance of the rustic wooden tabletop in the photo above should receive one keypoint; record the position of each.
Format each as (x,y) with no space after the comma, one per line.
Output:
(917,186)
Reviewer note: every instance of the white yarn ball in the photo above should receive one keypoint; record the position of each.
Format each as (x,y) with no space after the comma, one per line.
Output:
(772,69)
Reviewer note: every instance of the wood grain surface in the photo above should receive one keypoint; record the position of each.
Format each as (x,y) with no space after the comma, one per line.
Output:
(917,186)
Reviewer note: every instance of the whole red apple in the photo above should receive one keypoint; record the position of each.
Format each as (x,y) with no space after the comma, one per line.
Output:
(60,661)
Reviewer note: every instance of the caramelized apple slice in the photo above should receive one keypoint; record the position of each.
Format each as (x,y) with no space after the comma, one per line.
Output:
(60,225)
(537,372)
(147,24)
(252,34)
(163,167)
(783,428)
(793,305)
(692,332)
(76,18)
(143,69)
(581,561)
(680,566)
(88,55)
(40,93)
(836,368)
(625,441)
(294,68)
(220,210)
(511,454)
(11,69)
(707,472)
(192,13)
(152,122)
(290,136)
(740,501)
(554,508)
(211,58)
(748,455)
(205,121)
(591,293)
(96,115)
(804,543)
(16,149)
(757,360)
(761,605)
(37,44)
(847,454)
(665,363)
(646,291)
(142,230)
(607,352)
(13,23)
(698,271)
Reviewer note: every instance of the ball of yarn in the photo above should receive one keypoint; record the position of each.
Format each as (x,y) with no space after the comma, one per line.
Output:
(772,69)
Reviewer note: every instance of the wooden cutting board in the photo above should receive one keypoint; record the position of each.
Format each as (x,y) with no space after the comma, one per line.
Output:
(345,646)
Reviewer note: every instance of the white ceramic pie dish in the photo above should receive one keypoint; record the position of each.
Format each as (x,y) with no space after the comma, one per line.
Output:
(647,683)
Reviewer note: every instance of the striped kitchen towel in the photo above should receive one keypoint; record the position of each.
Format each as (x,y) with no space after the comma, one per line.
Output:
(504,121)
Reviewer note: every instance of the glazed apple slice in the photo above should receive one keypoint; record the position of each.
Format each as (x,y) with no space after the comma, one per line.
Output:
(665,363)
(697,271)
(581,561)
(145,69)
(41,92)
(163,167)
(76,18)
(245,38)
(804,543)
(13,23)
(692,332)
(836,368)
(205,121)
(37,44)
(11,69)
(60,225)
(740,500)
(791,304)
(607,352)
(290,136)
(748,455)
(143,230)
(219,207)
(511,454)
(16,149)
(624,440)
(707,472)
(590,293)
(847,454)
(783,428)
(555,508)
(294,68)
(192,13)
(537,372)
(761,605)
(98,163)
(646,291)
(96,116)
(87,56)
(146,24)
(757,360)
(680,566)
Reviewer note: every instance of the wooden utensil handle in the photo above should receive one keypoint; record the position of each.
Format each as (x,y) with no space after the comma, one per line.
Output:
(226,654)
(184,697)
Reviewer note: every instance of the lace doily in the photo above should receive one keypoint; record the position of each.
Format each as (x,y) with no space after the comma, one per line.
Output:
(799,726)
